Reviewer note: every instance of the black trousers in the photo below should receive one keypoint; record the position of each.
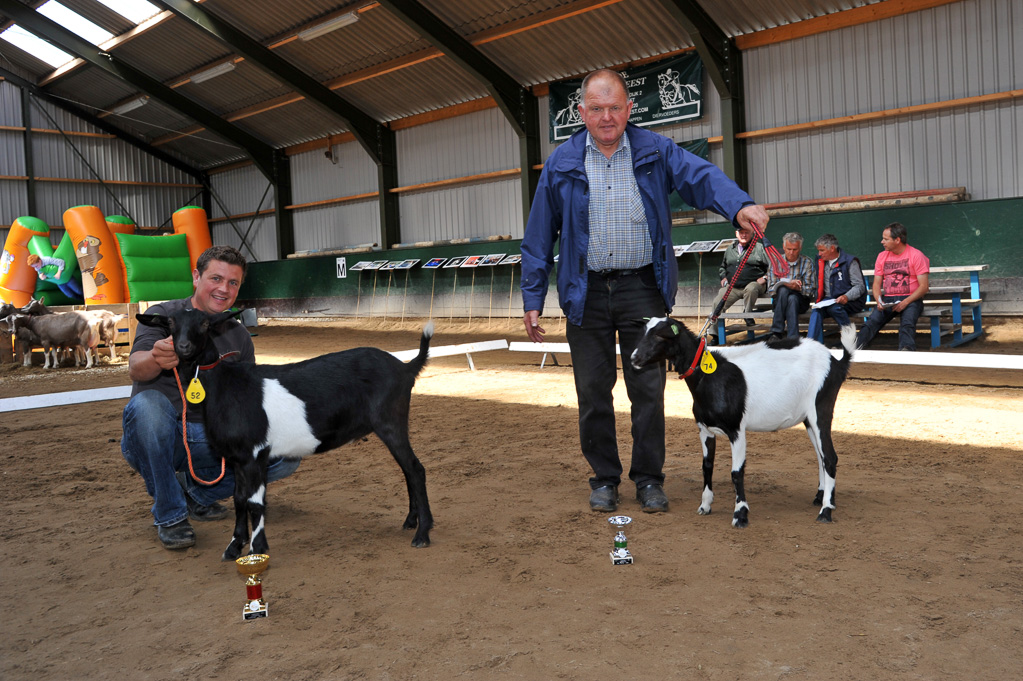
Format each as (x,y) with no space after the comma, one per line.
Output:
(617,303)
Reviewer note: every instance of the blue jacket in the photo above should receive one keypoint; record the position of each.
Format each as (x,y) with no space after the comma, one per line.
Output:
(841,280)
(560,210)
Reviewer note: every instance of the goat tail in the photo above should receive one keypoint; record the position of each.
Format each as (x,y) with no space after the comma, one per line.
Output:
(419,361)
(849,347)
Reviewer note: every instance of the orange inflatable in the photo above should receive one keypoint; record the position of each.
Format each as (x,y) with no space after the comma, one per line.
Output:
(17,279)
(191,221)
(118,224)
(102,271)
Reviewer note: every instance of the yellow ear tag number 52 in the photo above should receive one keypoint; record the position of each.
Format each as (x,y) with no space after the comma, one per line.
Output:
(195,393)
(707,363)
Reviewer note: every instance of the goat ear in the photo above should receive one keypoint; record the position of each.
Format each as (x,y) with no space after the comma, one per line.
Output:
(221,317)
(154,320)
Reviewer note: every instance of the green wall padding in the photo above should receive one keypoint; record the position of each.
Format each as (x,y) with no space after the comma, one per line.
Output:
(156,267)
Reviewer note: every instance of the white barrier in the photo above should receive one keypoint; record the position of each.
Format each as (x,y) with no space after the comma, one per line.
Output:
(64,398)
(463,349)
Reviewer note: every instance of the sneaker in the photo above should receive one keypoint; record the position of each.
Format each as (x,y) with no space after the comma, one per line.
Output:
(197,511)
(180,535)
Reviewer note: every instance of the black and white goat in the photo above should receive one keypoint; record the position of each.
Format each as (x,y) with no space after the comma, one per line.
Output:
(254,411)
(763,387)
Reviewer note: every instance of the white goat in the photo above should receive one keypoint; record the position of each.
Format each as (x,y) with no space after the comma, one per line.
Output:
(760,387)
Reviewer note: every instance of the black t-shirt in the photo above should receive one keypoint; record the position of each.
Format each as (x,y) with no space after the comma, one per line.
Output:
(227,337)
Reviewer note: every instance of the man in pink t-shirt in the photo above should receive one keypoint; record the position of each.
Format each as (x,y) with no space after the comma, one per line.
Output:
(900,283)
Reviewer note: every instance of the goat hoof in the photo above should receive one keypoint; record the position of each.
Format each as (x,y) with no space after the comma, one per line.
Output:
(232,552)
(420,543)
(703,511)
(411,523)
(825,516)
(740,520)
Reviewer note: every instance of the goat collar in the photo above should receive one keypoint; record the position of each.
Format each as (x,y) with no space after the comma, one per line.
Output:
(207,367)
(696,360)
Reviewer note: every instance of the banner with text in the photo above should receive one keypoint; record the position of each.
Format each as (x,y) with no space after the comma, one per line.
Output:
(664,92)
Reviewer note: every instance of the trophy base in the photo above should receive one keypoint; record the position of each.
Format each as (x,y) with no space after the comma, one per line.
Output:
(254,610)
(621,557)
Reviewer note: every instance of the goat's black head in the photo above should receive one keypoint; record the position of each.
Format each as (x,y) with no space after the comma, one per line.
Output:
(188,328)
(661,341)
(36,306)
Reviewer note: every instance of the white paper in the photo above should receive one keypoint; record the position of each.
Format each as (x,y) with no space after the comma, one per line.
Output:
(824,303)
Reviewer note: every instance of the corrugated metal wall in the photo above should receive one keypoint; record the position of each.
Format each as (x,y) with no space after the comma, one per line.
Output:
(315,178)
(477,143)
(239,191)
(962,49)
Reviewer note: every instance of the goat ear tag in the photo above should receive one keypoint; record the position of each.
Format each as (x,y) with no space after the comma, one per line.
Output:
(707,363)
(195,393)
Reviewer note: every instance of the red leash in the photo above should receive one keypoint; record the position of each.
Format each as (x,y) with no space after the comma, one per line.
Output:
(696,360)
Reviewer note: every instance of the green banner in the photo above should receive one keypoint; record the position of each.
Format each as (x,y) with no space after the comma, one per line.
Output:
(664,92)
(701,148)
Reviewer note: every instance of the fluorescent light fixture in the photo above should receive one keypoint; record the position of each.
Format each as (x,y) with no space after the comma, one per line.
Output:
(328,26)
(130,105)
(213,72)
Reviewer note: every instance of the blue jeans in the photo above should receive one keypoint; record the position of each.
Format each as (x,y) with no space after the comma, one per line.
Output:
(616,304)
(815,330)
(907,323)
(788,305)
(152,445)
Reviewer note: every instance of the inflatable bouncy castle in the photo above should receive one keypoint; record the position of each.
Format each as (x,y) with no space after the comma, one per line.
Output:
(104,259)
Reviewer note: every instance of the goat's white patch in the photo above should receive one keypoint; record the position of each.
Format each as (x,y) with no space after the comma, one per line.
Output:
(258,530)
(288,433)
(257,498)
(654,321)
(706,501)
(788,379)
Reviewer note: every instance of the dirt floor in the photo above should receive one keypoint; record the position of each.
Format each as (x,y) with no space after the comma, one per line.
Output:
(920,577)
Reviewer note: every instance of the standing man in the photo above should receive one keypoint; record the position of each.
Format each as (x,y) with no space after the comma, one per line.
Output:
(752,281)
(901,275)
(152,442)
(603,196)
(839,278)
(793,293)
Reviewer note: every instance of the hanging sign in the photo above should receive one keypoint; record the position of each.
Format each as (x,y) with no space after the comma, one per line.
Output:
(664,92)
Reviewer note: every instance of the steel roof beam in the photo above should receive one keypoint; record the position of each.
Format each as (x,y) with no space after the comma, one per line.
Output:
(723,61)
(365,128)
(260,152)
(102,124)
(516,102)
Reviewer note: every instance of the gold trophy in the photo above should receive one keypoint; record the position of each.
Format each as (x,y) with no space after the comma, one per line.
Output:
(620,554)
(252,566)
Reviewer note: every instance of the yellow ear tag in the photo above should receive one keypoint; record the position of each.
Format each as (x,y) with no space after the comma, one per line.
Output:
(195,393)
(707,363)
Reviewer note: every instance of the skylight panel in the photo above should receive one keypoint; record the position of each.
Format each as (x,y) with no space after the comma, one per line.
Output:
(37,47)
(135,11)
(74,22)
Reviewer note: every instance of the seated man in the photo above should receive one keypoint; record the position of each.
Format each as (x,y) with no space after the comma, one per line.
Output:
(152,442)
(901,275)
(752,282)
(793,293)
(839,278)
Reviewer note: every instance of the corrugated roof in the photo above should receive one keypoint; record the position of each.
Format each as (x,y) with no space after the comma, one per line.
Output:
(554,47)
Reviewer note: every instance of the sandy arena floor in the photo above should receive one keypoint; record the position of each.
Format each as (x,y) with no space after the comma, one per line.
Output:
(920,577)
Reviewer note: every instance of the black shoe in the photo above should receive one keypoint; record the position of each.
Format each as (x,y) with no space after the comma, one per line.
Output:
(197,511)
(180,535)
(604,499)
(652,499)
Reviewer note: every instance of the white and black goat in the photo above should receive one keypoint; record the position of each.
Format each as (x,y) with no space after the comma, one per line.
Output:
(253,412)
(763,387)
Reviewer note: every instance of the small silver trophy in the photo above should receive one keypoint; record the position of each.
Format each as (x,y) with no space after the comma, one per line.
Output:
(620,555)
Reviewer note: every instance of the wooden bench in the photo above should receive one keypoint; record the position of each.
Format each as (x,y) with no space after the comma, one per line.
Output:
(945,301)
(943,310)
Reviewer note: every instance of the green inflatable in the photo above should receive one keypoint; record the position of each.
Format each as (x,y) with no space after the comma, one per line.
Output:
(156,267)
(54,290)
